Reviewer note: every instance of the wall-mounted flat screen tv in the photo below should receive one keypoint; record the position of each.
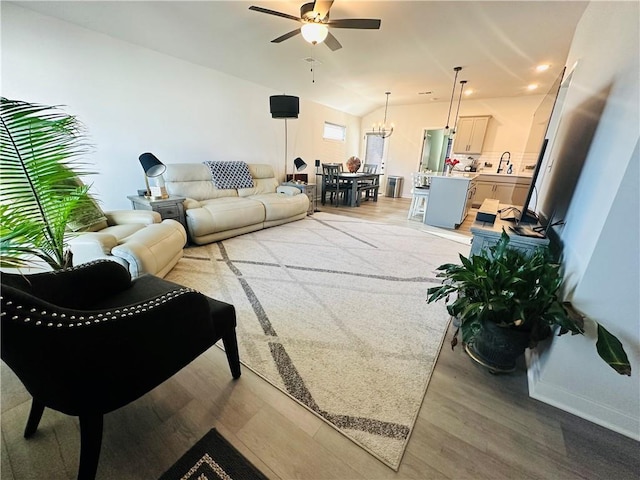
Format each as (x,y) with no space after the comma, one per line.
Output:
(536,146)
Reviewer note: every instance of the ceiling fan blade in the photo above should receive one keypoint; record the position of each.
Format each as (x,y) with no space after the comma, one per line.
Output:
(273,12)
(286,36)
(361,23)
(321,8)
(332,42)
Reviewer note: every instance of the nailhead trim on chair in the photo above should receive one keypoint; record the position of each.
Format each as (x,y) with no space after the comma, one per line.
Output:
(101,317)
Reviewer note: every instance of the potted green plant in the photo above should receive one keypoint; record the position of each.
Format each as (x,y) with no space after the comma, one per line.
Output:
(505,300)
(40,192)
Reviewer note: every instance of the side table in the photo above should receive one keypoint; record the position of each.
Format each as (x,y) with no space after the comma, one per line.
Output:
(309,189)
(171,207)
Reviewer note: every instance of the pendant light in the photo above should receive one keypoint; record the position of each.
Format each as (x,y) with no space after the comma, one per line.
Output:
(455,126)
(457,70)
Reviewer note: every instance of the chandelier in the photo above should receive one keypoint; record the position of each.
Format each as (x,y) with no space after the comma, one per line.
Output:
(381,129)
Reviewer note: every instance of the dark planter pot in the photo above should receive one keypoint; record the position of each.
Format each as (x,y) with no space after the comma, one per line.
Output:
(498,348)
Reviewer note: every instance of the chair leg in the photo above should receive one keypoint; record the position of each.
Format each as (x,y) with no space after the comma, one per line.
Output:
(90,443)
(230,343)
(412,207)
(37,408)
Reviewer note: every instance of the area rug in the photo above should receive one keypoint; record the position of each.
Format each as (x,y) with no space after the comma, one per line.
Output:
(212,458)
(332,310)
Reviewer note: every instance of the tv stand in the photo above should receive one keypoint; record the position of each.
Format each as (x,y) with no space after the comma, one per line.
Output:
(487,234)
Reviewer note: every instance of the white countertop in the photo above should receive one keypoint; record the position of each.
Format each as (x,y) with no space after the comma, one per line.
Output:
(454,176)
(505,175)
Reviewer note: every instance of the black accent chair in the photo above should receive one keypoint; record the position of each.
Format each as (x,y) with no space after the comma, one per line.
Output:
(88,340)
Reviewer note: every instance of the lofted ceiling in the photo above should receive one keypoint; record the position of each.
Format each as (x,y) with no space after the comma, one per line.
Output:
(497,44)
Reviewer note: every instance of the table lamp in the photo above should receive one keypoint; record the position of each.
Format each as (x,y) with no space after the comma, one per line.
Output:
(153,168)
(299,165)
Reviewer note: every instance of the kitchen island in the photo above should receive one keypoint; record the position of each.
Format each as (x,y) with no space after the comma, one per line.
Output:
(450,199)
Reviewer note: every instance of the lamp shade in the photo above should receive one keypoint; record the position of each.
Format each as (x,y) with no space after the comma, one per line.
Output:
(151,165)
(299,164)
(284,106)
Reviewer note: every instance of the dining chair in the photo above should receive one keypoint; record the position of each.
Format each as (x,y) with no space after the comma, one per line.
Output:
(331,183)
(419,195)
(369,186)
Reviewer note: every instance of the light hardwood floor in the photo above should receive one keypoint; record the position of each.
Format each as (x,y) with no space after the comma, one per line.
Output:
(472,425)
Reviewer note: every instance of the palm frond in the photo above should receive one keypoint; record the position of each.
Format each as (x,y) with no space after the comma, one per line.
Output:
(40,165)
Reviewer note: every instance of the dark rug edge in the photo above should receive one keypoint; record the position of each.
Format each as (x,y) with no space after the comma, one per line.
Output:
(232,462)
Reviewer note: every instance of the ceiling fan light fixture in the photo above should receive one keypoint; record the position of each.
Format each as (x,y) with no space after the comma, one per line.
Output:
(314,32)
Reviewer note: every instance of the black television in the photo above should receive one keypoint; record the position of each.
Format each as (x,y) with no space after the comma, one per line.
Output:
(537,145)
(528,215)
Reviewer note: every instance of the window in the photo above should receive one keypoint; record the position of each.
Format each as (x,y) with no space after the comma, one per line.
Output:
(334,132)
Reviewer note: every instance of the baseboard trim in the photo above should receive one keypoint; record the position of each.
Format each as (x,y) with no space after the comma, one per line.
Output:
(584,408)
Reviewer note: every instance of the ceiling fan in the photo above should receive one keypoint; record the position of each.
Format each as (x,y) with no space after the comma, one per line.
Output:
(314,17)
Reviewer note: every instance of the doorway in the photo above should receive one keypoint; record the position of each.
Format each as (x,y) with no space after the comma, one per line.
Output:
(374,151)
(434,150)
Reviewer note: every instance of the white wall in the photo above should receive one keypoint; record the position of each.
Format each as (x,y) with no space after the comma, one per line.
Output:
(602,234)
(133,100)
(508,130)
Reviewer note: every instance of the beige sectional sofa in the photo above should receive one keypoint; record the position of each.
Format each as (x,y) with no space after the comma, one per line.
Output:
(214,214)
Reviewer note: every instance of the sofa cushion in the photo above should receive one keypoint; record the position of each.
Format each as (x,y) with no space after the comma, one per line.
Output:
(154,249)
(121,232)
(261,170)
(261,185)
(264,180)
(222,214)
(279,206)
(193,180)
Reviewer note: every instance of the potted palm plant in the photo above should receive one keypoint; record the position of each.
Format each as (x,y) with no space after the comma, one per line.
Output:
(506,300)
(40,192)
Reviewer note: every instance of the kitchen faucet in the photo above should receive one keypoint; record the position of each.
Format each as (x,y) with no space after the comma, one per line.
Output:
(502,159)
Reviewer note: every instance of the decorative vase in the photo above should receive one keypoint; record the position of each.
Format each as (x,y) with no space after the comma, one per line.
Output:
(498,348)
(353,164)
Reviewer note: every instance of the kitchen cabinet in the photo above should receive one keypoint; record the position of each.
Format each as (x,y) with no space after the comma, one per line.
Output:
(507,189)
(470,134)
(519,194)
(450,199)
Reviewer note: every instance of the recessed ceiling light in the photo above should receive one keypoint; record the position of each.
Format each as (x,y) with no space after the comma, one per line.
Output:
(468,92)
(542,67)
(533,86)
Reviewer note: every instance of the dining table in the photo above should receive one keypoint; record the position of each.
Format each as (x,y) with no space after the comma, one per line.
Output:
(355,179)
